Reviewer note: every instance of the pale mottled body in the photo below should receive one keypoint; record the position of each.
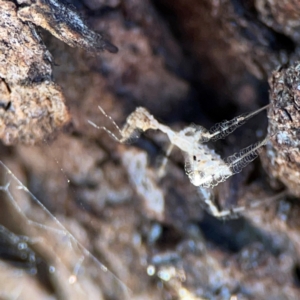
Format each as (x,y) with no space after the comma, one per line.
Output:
(203,166)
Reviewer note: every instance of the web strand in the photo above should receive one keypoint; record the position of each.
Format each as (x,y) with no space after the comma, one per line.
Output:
(61,228)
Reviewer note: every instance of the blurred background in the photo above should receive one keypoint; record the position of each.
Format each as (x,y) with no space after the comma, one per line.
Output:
(98,222)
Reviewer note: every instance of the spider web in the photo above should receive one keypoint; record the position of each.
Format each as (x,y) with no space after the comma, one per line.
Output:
(74,272)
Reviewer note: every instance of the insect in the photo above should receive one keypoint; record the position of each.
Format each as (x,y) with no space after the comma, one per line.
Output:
(203,166)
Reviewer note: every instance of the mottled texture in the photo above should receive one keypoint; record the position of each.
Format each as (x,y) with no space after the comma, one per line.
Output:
(64,24)
(187,62)
(282,16)
(283,148)
(32,105)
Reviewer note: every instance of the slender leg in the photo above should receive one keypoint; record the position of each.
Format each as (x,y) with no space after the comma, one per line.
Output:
(221,130)
(241,159)
(208,197)
(233,213)
(162,168)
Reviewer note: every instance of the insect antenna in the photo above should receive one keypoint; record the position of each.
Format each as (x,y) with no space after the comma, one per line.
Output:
(104,128)
(111,119)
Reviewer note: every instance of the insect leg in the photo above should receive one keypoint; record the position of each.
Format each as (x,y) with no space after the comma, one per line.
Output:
(207,196)
(241,159)
(221,130)
(139,120)
(162,167)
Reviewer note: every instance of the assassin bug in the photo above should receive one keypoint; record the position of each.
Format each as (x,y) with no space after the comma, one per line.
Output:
(204,167)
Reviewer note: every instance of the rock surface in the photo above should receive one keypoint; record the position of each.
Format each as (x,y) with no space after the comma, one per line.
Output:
(116,230)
